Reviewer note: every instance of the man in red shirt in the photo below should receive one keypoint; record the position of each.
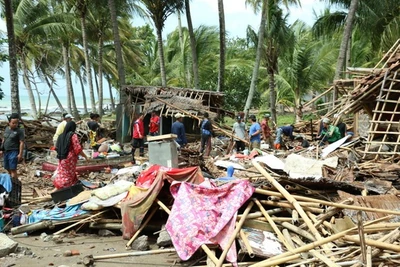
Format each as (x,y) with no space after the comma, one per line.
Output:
(266,130)
(154,124)
(138,137)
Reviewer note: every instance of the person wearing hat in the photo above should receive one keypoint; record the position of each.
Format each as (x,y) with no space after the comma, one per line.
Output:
(283,130)
(330,133)
(254,133)
(266,130)
(206,133)
(138,137)
(239,130)
(66,117)
(178,128)
(303,143)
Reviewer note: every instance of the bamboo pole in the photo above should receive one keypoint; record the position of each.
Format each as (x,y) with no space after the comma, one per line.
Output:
(298,231)
(233,236)
(328,203)
(128,245)
(206,249)
(79,222)
(273,225)
(369,256)
(289,205)
(286,255)
(292,201)
(374,243)
(360,229)
(247,244)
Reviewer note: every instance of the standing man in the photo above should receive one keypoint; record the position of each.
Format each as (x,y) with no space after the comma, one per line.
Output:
(285,130)
(239,130)
(266,130)
(206,133)
(254,133)
(13,145)
(138,137)
(154,125)
(178,129)
(60,128)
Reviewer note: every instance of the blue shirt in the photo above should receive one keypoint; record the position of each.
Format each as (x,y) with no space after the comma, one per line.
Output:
(254,128)
(179,129)
(288,131)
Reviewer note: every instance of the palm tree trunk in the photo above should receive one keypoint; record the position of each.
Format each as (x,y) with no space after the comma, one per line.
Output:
(272,95)
(254,76)
(28,86)
(111,94)
(161,55)
(221,73)
(343,46)
(297,104)
(70,91)
(83,9)
(118,50)
(195,62)
(100,59)
(60,106)
(12,53)
(184,65)
(85,109)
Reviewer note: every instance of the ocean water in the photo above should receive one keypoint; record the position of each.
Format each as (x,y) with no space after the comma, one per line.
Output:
(5,104)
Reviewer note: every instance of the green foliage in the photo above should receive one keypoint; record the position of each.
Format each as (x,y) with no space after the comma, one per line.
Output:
(286,119)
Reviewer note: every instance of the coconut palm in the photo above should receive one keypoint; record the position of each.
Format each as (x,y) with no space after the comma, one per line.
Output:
(264,5)
(307,65)
(221,73)
(159,10)
(193,46)
(9,14)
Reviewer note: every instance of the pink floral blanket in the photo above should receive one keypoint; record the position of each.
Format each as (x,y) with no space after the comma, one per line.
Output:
(205,214)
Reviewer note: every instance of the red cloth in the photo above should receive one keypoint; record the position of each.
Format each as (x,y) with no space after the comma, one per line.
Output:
(154,124)
(138,129)
(135,207)
(66,171)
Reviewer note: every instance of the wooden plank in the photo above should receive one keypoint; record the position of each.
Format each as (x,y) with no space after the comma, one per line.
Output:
(161,137)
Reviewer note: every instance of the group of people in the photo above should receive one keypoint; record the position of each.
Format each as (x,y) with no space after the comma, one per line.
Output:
(258,131)
(177,128)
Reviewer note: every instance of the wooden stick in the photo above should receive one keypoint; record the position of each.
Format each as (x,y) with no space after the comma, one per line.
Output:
(206,249)
(289,205)
(246,243)
(333,204)
(233,235)
(360,229)
(275,260)
(292,201)
(135,253)
(128,245)
(298,231)
(79,222)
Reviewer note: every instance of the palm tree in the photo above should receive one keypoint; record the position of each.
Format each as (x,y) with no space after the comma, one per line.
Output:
(265,22)
(221,73)
(82,8)
(9,14)
(305,66)
(159,10)
(193,47)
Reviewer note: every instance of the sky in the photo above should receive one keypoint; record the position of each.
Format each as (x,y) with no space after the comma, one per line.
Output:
(204,12)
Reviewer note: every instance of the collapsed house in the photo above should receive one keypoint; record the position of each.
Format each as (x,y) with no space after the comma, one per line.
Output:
(167,101)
